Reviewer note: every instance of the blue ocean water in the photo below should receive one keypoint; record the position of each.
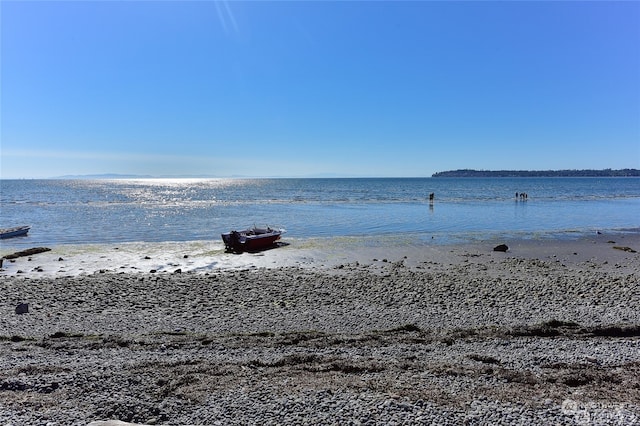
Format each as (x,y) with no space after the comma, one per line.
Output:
(465,209)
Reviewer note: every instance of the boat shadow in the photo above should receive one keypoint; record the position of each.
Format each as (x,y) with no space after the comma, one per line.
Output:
(275,245)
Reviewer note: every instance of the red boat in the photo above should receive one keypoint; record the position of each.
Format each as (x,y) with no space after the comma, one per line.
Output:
(252,239)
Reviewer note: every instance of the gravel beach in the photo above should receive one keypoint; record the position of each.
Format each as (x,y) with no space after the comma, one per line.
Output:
(545,333)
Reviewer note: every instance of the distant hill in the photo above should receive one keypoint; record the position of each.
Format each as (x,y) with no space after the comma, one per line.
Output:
(539,173)
(103,176)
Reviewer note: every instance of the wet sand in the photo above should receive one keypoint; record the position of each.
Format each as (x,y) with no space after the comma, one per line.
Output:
(546,333)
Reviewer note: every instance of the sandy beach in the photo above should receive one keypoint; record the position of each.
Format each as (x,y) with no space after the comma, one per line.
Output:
(342,333)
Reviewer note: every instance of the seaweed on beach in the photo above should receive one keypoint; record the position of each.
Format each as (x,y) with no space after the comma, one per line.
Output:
(554,323)
(555,328)
(65,335)
(405,328)
(295,338)
(549,328)
(487,359)
(288,361)
(582,374)
(321,364)
(14,338)
(617,331)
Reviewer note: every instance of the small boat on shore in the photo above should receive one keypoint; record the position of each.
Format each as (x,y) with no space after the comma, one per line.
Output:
(17,231)
(251,239)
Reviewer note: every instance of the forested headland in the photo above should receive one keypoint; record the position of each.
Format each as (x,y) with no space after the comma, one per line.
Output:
(539,173)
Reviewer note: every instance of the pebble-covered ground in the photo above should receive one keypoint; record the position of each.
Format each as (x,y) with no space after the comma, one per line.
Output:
(484,339)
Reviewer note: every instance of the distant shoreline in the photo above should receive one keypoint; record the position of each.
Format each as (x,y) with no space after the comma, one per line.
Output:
(539,173)
(465,173)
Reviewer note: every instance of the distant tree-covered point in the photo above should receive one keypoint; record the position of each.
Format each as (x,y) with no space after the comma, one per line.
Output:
(539,173)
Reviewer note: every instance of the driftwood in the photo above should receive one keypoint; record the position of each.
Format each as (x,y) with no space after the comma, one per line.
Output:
(629,249)
(27,252)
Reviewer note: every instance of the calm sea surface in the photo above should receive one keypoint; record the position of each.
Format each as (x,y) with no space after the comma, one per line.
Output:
(465,209)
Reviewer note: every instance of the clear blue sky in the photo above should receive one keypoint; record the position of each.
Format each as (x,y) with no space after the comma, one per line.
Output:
(310,88)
